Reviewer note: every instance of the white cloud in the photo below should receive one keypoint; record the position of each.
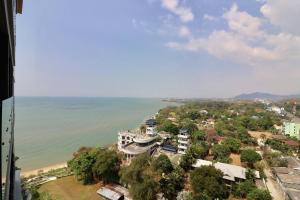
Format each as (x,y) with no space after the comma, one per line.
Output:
(243,23)
(141,25)
(283,13)
(184,31)
(185,14)
(246,42)
(209,17)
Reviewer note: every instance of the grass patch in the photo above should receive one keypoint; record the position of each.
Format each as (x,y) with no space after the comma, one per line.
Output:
(68,188)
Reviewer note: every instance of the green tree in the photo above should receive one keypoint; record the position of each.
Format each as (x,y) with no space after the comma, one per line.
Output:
(208,180)
(140,178)
(168,126)
(198,136)
(244,188)
(146,190)
(193,115)
(198,150)
(107,166)
(233,144)
(186,161)
(82,166)
(188,124)
(202,196)
(258,194)
(162,164)
(220,152)
(172,183)
(134,173)
(250,157)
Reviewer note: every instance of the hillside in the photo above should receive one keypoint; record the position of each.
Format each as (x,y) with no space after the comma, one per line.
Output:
(261,95)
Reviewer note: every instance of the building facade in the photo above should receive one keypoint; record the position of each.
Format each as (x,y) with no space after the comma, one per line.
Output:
(183,140)
(134,143)
(10,179)
(292,129)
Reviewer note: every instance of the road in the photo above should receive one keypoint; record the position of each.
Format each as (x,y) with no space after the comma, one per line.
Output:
(273,186)
(293,117)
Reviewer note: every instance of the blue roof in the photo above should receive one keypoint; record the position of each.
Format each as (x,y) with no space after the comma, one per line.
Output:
(151,122)
(168,147)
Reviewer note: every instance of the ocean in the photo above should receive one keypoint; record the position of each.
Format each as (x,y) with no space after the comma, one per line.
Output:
(49,129)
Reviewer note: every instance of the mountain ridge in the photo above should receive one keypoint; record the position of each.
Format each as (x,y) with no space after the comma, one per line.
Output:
(264,95)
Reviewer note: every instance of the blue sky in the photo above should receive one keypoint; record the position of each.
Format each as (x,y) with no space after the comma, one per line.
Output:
(158,48)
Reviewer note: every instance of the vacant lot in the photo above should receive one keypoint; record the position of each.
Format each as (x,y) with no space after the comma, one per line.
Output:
(236,159)
(68,189)
(258,134)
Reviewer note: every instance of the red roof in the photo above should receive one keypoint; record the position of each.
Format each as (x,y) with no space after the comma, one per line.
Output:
(292,143)
(220,138)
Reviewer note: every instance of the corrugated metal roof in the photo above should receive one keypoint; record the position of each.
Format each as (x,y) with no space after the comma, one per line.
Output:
(230,171)
(109,193)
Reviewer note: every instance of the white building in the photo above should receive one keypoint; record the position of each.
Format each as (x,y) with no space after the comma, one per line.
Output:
(276,109)
(124,138)
(151,131)
(135,143)
(183,140)
(232,173)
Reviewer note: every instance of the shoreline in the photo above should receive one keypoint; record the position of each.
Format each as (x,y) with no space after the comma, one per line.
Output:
(35,172)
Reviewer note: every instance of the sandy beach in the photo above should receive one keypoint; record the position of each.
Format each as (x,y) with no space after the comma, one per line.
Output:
(43,170)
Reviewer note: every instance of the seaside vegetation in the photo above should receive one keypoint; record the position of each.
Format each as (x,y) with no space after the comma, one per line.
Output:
(95,164)
(147,176)
(207,182)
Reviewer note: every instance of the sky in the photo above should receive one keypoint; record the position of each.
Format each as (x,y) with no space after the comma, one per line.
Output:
(158,48)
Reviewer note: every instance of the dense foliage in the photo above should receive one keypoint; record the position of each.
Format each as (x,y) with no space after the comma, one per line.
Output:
(91,164)
(244,188)
(196,151)
(250,157)
(258,194)
(162,164)
(172,183)
(107,166)
(275,159)
(233,144)
(221,152)
(82,166)
(278,145)
(208,180)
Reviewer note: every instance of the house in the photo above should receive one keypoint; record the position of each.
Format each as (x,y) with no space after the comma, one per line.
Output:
(293,143)
(124,138)
(208,124)
(183,140)
(232,173)
(140,144)
(114,192)
(134,143)
(276,109)
(204,112)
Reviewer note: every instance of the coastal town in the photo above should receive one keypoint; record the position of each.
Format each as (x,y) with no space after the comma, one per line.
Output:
(243,149)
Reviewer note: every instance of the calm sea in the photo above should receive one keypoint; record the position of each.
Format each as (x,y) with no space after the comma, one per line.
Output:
(49,129)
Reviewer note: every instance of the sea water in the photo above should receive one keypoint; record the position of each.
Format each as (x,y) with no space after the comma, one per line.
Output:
(49,129)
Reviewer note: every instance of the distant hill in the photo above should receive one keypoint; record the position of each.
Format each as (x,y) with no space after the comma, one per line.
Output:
(267,96)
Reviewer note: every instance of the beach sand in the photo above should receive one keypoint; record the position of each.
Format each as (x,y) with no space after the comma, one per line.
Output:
(43,170)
